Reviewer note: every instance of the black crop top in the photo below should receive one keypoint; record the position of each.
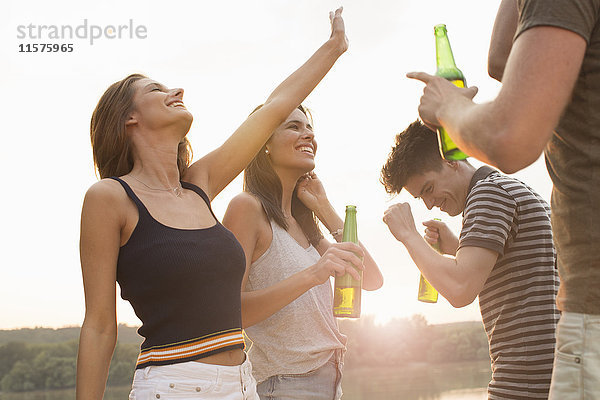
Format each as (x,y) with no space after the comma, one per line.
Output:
(184,285)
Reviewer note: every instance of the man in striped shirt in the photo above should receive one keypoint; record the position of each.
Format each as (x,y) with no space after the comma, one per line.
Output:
(504,255)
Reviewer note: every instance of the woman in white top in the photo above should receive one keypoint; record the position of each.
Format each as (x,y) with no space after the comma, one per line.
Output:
(286,292)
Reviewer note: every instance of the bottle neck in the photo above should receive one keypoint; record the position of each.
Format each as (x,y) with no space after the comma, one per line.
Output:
(443,51)
(350,229)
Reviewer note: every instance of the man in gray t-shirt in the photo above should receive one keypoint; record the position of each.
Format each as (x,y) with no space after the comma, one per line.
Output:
(549,101)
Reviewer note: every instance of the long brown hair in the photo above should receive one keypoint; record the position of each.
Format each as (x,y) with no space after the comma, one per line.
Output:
(261,180)
(111,145)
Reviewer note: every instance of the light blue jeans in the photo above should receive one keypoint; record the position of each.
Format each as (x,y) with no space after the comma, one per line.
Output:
(324,383)
(576,373)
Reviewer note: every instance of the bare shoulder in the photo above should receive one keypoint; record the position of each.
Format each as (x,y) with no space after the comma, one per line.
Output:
(248,221)
(107,197)
(106,190)
(246,202)
(247,208)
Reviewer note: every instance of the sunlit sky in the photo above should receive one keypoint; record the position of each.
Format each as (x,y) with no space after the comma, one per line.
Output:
(228,56)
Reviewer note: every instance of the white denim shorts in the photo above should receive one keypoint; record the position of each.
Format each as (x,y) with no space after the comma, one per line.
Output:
(194,380)
(576,373)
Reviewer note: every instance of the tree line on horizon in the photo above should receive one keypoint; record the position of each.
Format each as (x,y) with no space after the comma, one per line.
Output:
(45,358)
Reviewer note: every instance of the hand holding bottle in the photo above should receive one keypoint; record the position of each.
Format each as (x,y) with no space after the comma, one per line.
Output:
(438,232)
(339,259)
(347,288)
(437,93)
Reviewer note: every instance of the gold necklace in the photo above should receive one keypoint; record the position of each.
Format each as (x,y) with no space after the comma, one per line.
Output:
(177,190)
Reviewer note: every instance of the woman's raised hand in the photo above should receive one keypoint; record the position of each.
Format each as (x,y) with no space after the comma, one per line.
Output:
(338,29)
(311,192)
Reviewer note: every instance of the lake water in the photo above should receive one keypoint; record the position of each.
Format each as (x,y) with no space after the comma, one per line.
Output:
(453,381)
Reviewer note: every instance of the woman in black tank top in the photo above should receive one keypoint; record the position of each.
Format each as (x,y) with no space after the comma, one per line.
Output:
(151,229)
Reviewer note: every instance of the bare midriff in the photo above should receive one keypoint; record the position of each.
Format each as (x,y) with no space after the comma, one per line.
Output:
(229,358)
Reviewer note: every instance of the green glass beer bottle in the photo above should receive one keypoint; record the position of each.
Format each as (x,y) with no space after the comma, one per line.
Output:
(346,294)
(446,68)
(427,293)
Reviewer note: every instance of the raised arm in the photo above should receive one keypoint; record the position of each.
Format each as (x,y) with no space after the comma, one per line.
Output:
(245,218)
(99,247)
(214,171)
(511,131)
(503,33)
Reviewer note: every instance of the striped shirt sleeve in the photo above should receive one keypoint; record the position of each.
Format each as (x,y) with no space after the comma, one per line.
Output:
(488,217)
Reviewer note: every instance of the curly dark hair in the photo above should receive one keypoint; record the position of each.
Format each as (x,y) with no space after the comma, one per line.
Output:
(416,151)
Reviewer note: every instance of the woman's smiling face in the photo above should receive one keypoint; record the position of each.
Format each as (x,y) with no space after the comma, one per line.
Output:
(293,144)
(156,106)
